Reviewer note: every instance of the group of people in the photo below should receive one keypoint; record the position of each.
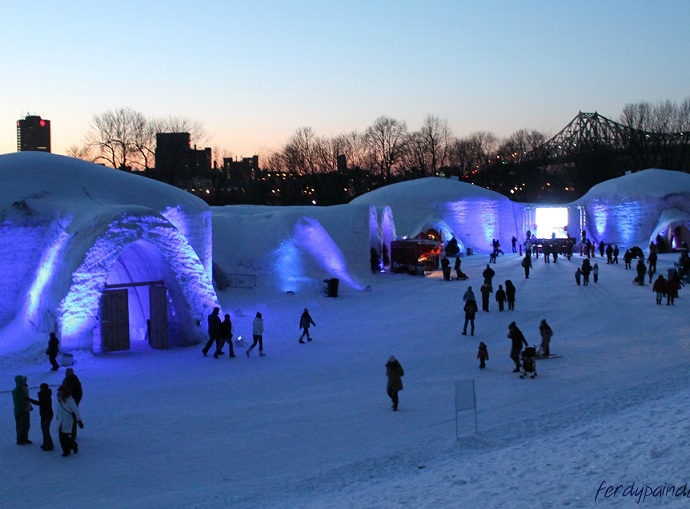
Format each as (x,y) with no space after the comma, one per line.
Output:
(582,273)
(220,333)
(69,395)
(517,342)
(445,269)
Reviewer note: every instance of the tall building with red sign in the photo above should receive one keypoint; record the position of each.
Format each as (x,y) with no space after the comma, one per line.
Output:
(33,133)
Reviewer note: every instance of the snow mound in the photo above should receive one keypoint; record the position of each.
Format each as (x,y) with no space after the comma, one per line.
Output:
(38,182)
(651,184)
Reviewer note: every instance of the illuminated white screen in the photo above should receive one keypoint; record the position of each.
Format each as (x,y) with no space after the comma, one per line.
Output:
(551,220)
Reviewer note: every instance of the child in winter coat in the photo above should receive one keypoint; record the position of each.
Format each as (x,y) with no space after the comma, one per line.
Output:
(482,355)
(595,272)
(578,274)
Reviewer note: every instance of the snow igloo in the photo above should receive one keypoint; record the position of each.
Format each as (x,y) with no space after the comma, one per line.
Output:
(108,260)
(635,208)
(473,215)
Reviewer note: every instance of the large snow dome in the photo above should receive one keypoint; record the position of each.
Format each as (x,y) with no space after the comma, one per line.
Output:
(635,208)
(96,254)
(293,248)
(472,214)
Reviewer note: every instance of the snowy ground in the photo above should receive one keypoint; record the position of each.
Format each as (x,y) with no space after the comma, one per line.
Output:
(311,426)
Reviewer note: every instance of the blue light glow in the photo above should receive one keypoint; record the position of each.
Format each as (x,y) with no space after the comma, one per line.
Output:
(44,274)
(317,242)
(288,266)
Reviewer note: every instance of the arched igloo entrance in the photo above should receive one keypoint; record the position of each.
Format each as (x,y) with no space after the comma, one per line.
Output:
(141,304)
(139,277)
(673,228)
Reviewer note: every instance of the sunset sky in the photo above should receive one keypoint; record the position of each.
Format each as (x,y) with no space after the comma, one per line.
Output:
(253,72)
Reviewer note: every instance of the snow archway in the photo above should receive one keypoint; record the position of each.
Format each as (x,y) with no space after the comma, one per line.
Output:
(674,222)
(130,247)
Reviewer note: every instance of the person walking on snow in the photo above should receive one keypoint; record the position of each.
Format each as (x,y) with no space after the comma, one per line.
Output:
(659,288)
(53,350)
(513,242)
(500,297)
(486,292)
(45,404)
(488,277)
(545,332)
(578,275)
(510,295)
(73,386)
(518,339)
(304,322)
(651,260)
(470,310)
(394,373)
(595,272)
(482,355)
(641,270)
(225,334)
(526,264)
(258,331)
(586,269)
(22,409)
(615,253)
(68,417)
(213,330)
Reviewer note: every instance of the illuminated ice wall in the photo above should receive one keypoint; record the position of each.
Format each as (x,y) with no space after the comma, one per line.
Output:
(294,248)
(472,215)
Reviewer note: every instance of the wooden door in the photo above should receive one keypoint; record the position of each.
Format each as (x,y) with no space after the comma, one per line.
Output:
(158,322)
(114,320)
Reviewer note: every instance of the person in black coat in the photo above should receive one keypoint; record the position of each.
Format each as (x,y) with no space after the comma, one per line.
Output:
(470,311)
(518,339)
(609,254)
(53,350)
(73,385)
(586,269)
(488,276)
(213,330)
(445,268)
(45,404)
(641,271)
(500,297)
(394,373)
(616,251)
(486,292)
(510,295)
(225,336)
(305,321)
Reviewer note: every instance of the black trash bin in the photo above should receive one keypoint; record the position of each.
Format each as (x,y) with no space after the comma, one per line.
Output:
(331,287)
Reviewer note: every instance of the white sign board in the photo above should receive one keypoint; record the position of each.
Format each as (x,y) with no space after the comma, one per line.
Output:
(464,395)
(465,399)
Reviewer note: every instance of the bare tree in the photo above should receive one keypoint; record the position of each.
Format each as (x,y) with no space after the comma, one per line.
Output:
(81,152)
(520,143)
(386,141)
(435,136)
(113,137)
